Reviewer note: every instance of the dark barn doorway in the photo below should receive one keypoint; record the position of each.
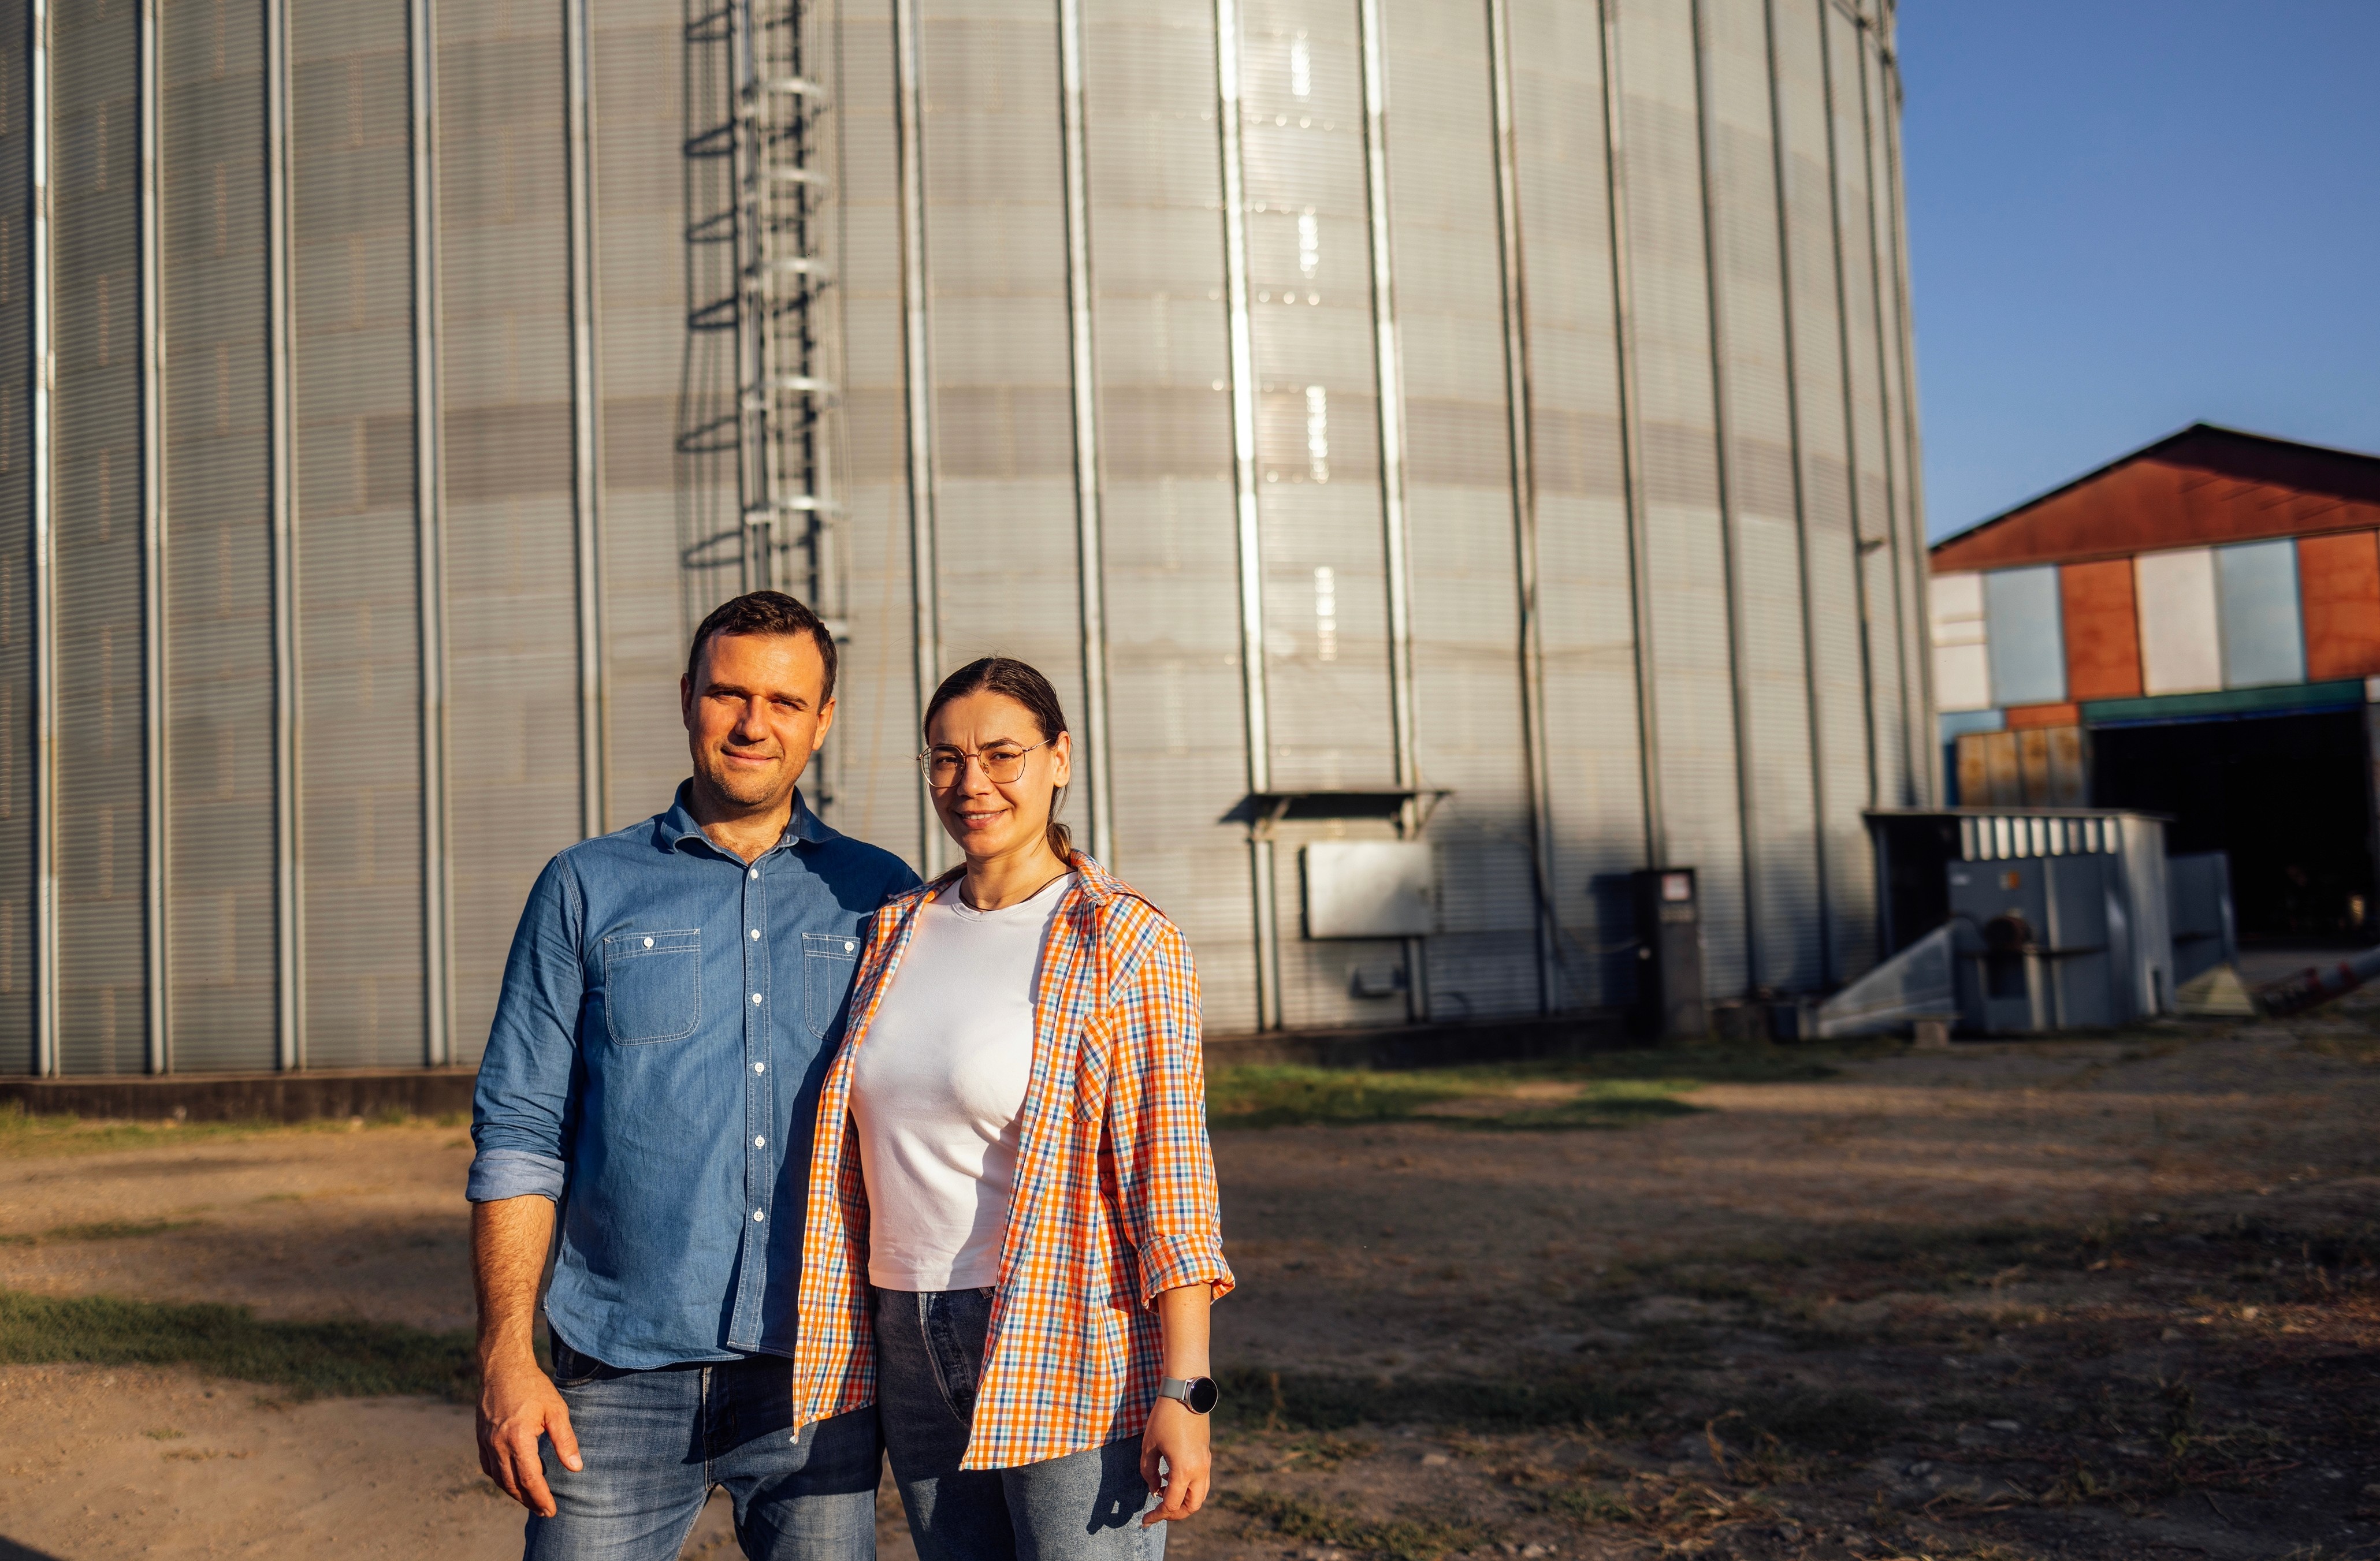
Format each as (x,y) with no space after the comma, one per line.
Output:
(2287,796)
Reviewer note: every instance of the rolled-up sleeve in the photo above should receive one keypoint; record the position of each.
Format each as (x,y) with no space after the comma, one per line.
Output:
(522,1103)
(1165,1167)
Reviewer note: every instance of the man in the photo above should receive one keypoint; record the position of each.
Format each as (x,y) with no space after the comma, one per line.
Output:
(674,995)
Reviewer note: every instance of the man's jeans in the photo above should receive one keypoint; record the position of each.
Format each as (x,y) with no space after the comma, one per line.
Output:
(655,1442)
(1086,1506)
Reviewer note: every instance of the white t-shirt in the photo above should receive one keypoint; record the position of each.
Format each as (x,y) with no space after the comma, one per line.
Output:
(939,1085)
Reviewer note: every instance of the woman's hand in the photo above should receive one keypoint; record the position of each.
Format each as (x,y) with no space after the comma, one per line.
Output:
(1180,1438)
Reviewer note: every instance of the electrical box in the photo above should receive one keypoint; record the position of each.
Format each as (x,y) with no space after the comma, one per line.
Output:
(1369,888)
(2036,936)
(1669,1001)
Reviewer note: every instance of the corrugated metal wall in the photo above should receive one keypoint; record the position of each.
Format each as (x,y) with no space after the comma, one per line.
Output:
(359,628)
(17,1051)
(1584,481)
(1581,481)
(218,482)
(1470,729)
(1165,433)
(99,823)
(656,375)
(512,638)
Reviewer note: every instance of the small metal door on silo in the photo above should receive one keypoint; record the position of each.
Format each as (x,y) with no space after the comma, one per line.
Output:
(1670,1003)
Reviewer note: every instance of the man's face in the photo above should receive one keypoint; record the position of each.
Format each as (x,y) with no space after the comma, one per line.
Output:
(756,711)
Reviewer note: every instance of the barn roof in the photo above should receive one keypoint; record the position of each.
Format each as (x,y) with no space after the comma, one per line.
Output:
(2204,485)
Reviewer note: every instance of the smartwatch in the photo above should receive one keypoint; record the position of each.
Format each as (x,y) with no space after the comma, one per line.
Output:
(1198,1393)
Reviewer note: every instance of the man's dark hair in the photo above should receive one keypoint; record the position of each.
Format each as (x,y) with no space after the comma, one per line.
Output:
(763,613)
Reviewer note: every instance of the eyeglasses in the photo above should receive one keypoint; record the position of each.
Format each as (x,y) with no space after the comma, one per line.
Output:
(1003,762)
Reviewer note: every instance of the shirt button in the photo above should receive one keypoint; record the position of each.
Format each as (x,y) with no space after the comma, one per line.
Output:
(751,872)
(849,947)
(756,935)
(756,997)
(757,1216)
(760,1144)
(648,942)
(759,1067)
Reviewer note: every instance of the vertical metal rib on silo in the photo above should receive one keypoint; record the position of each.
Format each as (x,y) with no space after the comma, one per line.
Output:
(1729,512)
(1632,443)
(152,565)
(289,973)
(586,473)
(45,617)
(429,519)
(1828,957)
(1912,444)
(1548,921)
(1894,541)
(917,374)
(1389,370)
(1851,408)
(1243,488)
(1075,152)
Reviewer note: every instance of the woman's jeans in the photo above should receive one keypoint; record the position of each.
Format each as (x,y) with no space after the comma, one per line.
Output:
(1086,1506)
(655,1442)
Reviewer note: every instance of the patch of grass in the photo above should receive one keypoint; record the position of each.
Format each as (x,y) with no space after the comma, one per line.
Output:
(1415,1534)
(1295,1401)
(27,1134)
(1606,1089)
(114,1230)
(304,1359)
(1291,1096)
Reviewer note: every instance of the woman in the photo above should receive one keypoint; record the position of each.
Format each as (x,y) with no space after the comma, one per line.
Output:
(1013,1236)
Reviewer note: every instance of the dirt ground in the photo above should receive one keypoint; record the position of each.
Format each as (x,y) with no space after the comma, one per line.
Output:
(2097,1298)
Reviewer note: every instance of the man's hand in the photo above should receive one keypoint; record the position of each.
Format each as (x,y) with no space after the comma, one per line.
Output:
(517,1405)
(1180,1438)
(517,1401)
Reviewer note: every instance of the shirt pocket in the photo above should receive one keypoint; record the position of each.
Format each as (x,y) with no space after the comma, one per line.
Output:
(1094,1066)
(828,961)
(652,985)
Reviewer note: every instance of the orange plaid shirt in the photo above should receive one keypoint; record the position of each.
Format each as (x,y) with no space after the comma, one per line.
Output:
(1114,1198)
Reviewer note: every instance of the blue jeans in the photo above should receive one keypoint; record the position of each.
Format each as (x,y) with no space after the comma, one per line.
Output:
(655,1442)
(1086,1506)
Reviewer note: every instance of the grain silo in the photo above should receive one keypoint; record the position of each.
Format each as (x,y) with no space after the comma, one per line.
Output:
(1487,423)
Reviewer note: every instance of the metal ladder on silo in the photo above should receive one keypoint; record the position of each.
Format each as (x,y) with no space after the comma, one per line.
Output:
(784,389)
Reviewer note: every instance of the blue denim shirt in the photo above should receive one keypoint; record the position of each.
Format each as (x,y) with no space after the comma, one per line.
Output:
(668,1013)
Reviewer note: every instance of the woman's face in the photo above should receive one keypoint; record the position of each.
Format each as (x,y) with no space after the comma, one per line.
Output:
(988,817)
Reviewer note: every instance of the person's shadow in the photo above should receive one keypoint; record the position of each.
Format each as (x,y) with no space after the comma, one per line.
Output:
(11,1551)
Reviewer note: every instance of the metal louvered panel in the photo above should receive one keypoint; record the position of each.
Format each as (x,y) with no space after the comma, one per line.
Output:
(1592,733)
(97,532)
(1469,729)
(1692,632)
(358,645)
(219,582)
(1179,742)
(17,799)
(512,638)
(646,356)
(1774,705)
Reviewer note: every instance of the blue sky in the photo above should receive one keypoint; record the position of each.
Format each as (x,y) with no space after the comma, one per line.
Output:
(2128,215)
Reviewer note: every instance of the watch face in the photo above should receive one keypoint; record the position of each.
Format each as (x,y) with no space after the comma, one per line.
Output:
(1203,1396)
